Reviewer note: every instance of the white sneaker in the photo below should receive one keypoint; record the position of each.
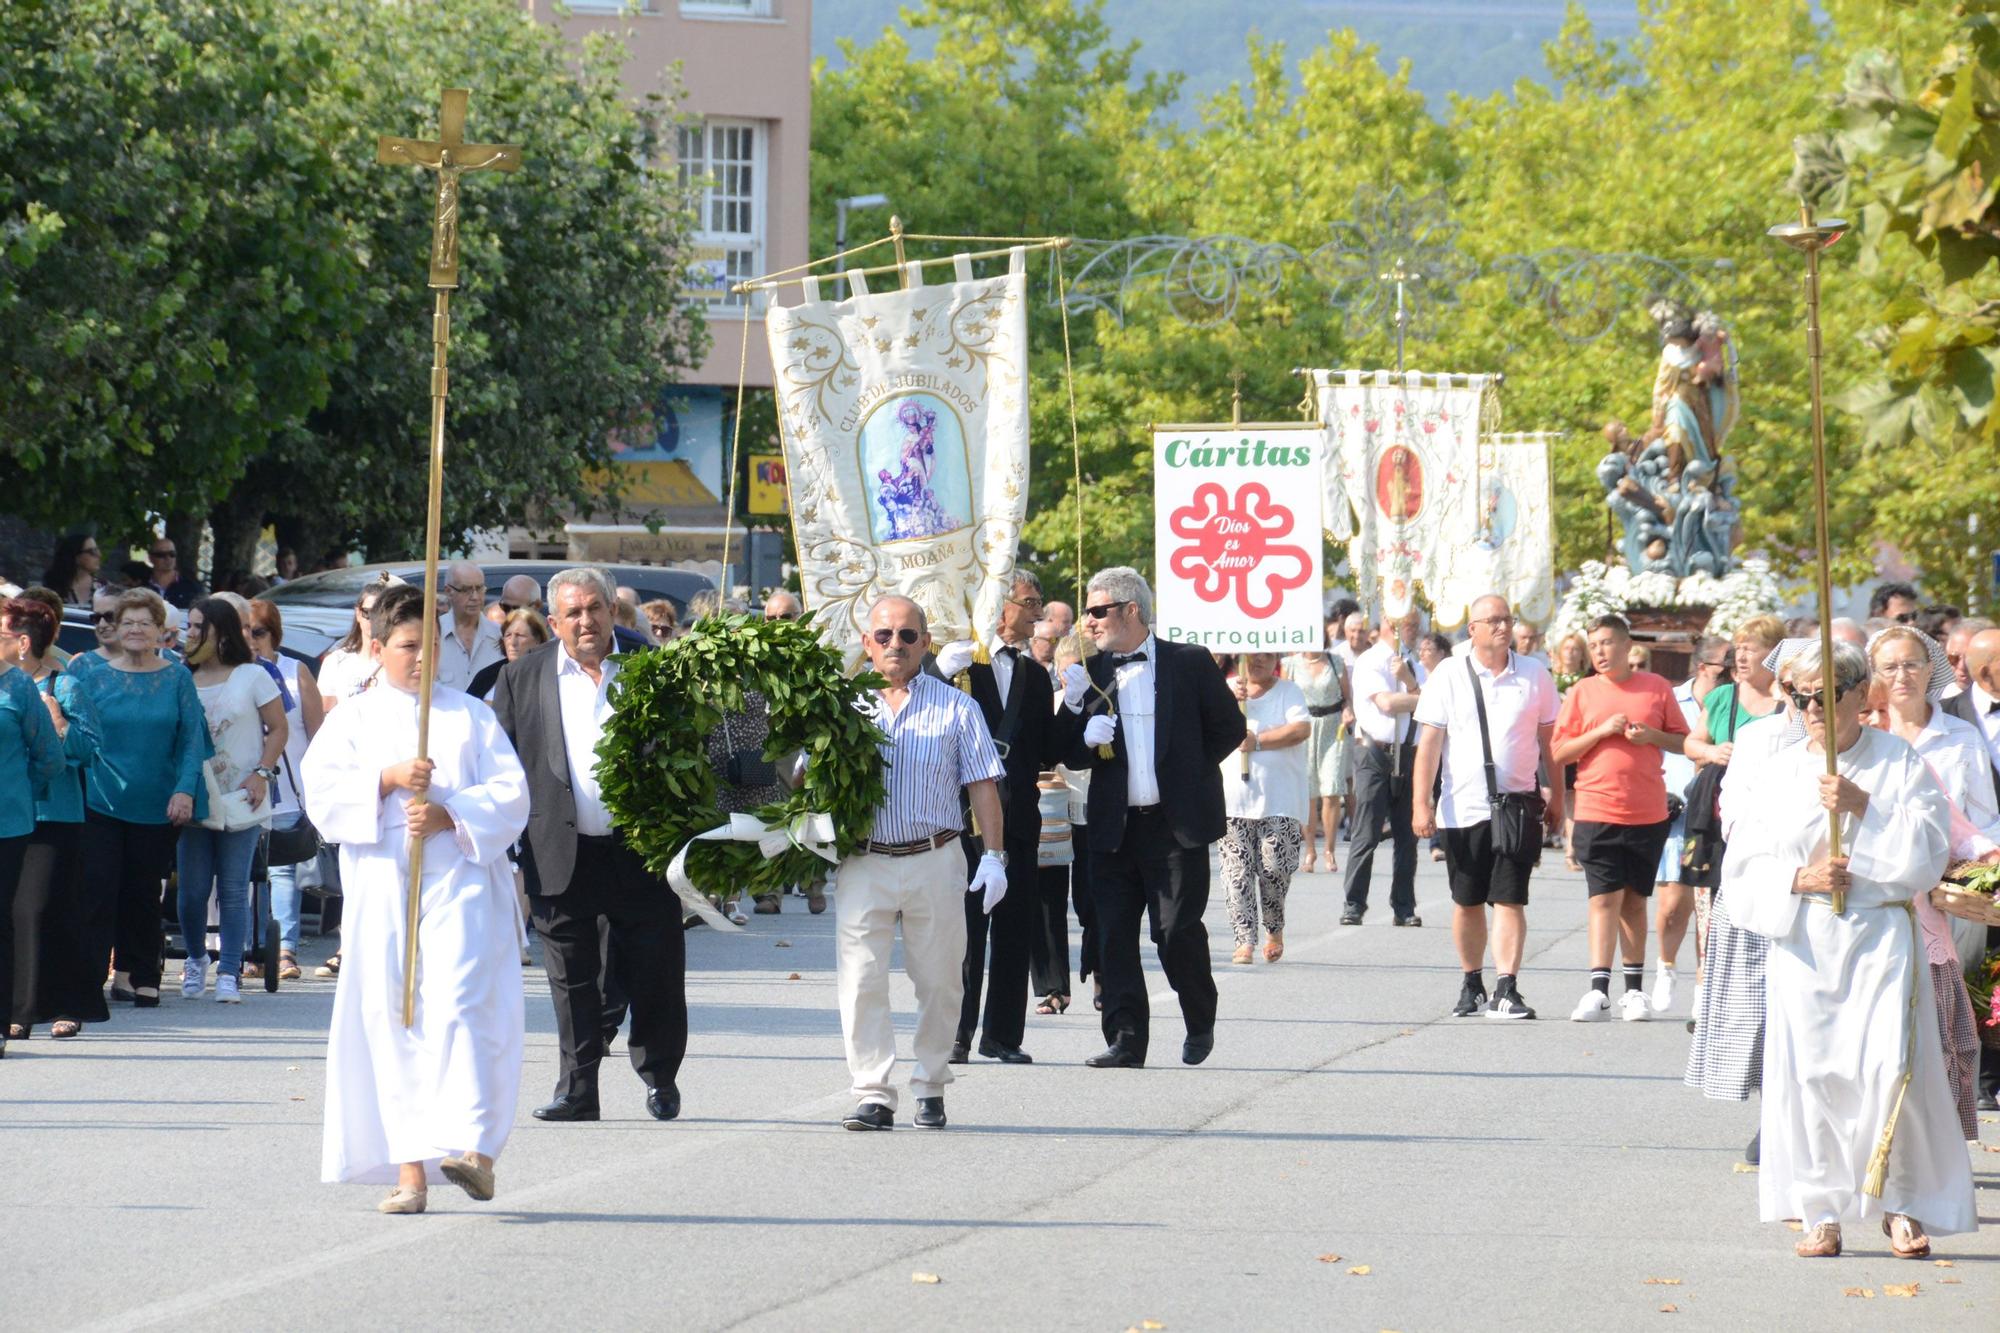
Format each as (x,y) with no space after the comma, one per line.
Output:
(1632,1007)
(194,975)
(227,990)
(1592,1008)
(1663,989)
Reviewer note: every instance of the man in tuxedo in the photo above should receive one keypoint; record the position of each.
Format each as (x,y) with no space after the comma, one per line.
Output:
(553,703)
(1155,807)
(1016,698)
(1979,704)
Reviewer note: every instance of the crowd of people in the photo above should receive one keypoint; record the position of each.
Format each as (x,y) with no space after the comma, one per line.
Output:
(143,783)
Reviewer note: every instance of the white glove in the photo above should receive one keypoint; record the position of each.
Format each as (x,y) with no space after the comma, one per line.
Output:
(1100,729)
(1076,684)
(955,657)
(990,879)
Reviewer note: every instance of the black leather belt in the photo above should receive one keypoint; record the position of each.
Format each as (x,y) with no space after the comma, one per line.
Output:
(1322,710)
(917,848)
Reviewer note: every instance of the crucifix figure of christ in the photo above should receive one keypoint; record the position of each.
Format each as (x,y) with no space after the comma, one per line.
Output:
(451,157)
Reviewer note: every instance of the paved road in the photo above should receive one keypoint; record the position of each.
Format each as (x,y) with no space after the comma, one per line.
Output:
(161,1172)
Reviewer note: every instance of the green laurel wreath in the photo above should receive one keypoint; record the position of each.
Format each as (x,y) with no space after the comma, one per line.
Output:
(653,766)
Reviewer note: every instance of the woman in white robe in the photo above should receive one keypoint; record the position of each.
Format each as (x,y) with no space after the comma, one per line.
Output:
(1852,1067)
(437,1100)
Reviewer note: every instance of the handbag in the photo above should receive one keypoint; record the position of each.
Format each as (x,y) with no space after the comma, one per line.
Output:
(299,843)
(1702,845)
(230,811)
(1517,815)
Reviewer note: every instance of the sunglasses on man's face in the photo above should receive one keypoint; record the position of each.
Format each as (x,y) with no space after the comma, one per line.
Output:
(1104,609)
(104,617)
(1907,618)
(1817,699)
(907,636)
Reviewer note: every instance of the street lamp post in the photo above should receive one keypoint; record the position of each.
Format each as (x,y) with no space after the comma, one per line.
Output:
(840,207)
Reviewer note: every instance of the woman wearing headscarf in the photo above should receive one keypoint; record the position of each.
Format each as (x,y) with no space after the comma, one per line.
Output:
(1913,672)
(54,979)
(1858,1120)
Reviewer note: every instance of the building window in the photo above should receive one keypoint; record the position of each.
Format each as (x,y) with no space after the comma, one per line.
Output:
(722,167)
(612,6)
(726,8)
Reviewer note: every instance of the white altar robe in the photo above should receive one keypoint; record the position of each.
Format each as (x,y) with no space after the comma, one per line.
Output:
(451,1083)
(1841,993)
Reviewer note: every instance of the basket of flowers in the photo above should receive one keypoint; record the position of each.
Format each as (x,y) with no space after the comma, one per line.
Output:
(1968,892)
(1982,983)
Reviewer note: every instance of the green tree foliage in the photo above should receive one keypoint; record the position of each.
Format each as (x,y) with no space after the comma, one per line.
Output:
(213,296)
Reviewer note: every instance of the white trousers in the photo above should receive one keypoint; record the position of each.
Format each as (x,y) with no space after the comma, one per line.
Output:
(928,892)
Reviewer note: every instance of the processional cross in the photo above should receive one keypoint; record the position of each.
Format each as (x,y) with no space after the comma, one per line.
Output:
(451,157)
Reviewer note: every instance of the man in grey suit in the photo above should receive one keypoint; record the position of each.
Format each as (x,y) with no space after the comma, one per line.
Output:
(553,704)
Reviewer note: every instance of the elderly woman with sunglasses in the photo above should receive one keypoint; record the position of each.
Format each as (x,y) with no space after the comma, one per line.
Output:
(1858,1122)
(1911,671)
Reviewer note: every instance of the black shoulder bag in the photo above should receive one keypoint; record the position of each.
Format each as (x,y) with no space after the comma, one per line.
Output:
(1517,815)
(1701,843)
(300,842)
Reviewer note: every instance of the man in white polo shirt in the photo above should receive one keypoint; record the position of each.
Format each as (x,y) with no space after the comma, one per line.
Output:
(1489,851)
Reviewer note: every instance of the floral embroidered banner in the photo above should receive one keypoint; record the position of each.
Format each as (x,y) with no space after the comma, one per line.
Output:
(1510,549)
(1401,454)
(905,425)
(1236,532)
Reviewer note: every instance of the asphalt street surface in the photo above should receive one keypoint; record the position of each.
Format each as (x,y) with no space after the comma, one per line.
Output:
(1351,1157)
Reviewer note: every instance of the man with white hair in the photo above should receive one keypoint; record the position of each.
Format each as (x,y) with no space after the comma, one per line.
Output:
(520,591)
(783,604)
(468,642)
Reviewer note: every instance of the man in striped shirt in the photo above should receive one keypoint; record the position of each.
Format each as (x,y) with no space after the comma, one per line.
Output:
(934,743)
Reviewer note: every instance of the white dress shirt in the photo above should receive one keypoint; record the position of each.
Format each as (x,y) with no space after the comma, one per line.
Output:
(1135,720)
(586,707)
(1375,673)
(456,667)
(1983,705)
(1004,659)
(1520,700)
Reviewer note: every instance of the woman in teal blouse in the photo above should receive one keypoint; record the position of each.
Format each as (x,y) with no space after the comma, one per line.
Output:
(31,757)
(54,981)
(143,786)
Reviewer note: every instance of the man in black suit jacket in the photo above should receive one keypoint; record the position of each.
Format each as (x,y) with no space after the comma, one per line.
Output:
(1976,705)
(552,702)
(1031,736)
(1150,829)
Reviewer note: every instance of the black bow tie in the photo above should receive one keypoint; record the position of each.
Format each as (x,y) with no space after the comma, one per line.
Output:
(1993,707)
(1119,659)
(1008,651)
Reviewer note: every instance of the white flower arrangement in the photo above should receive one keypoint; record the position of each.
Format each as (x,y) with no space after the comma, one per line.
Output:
(1749,590)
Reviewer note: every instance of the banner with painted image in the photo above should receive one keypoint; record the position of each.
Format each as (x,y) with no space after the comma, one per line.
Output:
(905,423)
(1510,548)
(1400,457)
(1236,532)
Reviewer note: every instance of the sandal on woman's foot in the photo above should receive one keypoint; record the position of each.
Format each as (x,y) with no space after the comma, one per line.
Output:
(1242,954)
(328,970)
(1906,1239)
(1053,1004)
(16,1032)
(251,972)
(64,1028)
(1822,1242)
(403,1200)
(1274,947)
(288,966)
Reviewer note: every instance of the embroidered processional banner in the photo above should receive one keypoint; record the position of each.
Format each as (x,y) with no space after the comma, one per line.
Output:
(1400,456)
(905,424)
(1510,546)
(1236,536)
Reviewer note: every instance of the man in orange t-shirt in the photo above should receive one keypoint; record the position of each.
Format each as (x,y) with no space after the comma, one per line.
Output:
(1613,726)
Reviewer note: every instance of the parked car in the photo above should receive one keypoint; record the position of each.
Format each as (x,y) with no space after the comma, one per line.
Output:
(78,632)
(318,608)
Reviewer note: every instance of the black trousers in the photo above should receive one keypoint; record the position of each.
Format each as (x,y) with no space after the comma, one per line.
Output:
(1382,791)
(611,883)
(53,975)
(1007,931)
(1153,875)
(1048,939)
(124,866)
(12,850)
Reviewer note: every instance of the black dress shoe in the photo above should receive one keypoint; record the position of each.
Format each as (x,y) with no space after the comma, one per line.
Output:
(930,1113)
(664,1103)
(567,1108)
(1985,1101)
(1411,920)
(123,994)
(874,1115)
(1350,917)
(1116,1056)
(961,1054)
(1006,1055)
(1197,1046)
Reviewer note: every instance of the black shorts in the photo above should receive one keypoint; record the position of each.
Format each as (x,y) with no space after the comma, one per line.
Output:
(1478,877)
(1619,856)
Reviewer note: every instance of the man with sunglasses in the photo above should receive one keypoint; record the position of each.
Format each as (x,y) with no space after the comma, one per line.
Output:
(174,588)
(1894,601)
(934,745)
(468,642)
(1159,719)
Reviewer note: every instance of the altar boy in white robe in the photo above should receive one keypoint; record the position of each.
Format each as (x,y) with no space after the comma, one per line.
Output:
(411,1105)
(1858,1119)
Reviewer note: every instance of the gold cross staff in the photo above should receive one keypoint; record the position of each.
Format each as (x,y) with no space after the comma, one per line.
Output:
(450,156)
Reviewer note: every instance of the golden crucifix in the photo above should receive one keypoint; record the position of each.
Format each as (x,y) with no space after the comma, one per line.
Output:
(451,157)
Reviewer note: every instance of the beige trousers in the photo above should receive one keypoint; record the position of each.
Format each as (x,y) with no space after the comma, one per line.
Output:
(928,892)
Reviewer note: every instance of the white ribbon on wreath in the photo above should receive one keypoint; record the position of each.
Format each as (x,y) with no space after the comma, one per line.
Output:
(812,831)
